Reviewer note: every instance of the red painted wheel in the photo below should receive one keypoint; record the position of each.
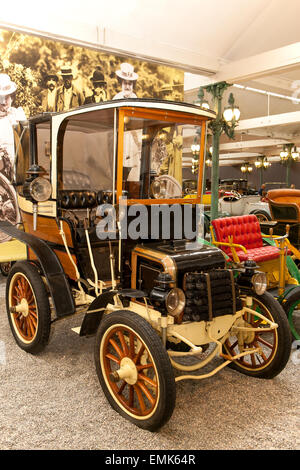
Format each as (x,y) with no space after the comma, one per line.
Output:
(134,370)
(28,307)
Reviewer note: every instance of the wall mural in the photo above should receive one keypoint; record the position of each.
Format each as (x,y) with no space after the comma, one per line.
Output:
(39,75)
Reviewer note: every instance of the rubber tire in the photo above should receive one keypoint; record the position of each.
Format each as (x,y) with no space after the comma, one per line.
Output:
(43,308)
(292,299)
(165,371)
(283,352)
(5,271)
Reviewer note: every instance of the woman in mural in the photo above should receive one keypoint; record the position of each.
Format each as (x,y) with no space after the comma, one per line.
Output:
(9,116)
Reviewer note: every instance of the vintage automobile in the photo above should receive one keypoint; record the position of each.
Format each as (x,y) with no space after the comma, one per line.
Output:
(161,305)
(237,204)
(239,185)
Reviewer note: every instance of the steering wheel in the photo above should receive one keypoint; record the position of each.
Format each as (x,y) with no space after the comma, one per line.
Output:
(166,186)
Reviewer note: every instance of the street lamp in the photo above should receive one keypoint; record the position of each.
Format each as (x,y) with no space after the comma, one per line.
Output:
(195,148)
(288,155)
(246,168)
(262,163)
(224,122)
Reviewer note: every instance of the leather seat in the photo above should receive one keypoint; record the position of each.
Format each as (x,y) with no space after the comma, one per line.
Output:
(245,231)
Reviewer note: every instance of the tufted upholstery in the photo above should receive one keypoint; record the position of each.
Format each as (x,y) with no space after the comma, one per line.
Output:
(245,231)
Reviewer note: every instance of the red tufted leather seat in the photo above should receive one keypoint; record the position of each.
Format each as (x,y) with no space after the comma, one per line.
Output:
(245,231)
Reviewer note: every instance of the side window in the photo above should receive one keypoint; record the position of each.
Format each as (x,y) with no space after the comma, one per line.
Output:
(21,138)
(43,139)
(87,151)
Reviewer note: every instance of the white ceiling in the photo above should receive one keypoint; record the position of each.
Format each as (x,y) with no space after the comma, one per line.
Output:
(252,43)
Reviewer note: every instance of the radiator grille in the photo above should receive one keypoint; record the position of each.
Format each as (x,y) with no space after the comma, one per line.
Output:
(210,295)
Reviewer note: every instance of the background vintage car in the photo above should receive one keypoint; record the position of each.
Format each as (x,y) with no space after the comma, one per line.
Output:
(236,204)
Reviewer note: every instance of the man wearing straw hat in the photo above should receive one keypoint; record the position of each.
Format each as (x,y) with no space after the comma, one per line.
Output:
(67,95)
(128,78)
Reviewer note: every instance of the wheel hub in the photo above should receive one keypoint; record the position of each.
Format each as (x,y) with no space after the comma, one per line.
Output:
(22,307)
(127,372)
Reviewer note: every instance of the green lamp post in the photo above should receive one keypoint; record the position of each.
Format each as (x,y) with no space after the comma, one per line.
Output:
(288,155)
(224,122)
(261,164)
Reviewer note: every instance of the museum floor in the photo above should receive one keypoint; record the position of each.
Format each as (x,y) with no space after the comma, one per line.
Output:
(54,401)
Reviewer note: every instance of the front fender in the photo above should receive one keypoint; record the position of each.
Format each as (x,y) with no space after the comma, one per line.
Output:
(95,312)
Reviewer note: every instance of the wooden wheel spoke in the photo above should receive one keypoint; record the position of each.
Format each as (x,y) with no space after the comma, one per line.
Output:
(264,342)
(139,354)
(31,300)
(123,343)
(144,366)
(131,396)
(261,353)
(253,361)
(131,344)
(116,347)
(33,313)
(30,326)
(33,320)
(112,358)
(148,380)
(233,346)
(140,398)
(122,386)
(19,290)
(146,391)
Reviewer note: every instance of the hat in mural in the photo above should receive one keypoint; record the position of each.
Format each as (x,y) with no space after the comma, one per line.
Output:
(66,71)
(166,88)
(126,72)
(98,78)
(7,87)
(52,75)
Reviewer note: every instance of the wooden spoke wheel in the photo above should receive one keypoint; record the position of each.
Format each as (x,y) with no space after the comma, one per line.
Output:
(134,370)
(28,307)
(273,346)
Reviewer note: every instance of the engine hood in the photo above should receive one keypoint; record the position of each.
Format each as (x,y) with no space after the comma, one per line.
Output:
(190,257)
(179,257)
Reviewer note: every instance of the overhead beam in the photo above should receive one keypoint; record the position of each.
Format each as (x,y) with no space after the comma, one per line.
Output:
(251,144)
(272,133)
(224,156)
(272,120)
(250,68)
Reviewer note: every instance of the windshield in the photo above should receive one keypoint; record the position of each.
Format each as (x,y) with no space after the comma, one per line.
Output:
(157,162)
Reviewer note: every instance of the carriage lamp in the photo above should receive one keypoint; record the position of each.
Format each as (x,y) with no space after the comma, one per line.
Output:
(175,302)
(158,189)
(36,188)
(167,299)
(251,278)
(259,283)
